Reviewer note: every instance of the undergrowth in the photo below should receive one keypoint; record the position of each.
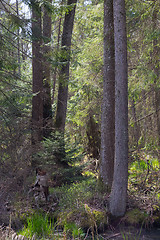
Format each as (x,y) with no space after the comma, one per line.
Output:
(39,225)
(81,207)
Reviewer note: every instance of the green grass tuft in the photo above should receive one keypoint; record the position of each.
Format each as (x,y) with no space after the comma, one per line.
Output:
(39,225)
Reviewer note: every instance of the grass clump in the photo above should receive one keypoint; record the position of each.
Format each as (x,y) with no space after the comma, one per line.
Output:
(136,217)
(82,209)
(39,225)
(72,230)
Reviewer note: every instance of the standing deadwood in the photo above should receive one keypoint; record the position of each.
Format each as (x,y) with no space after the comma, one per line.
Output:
(118,196)
(64,71)
(108,104)
(47,106)
(37,85)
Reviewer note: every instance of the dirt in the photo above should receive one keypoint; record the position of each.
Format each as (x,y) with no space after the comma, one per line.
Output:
(131,233)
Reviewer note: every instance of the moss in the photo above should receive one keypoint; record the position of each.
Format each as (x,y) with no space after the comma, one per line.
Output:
(70,216)
(136,217)
(101,218)
(85,218)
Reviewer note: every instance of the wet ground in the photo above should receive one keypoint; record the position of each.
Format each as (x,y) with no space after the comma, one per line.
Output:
(132,234)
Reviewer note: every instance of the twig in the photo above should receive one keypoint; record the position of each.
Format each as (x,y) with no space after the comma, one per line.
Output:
(112,236)
(87,233)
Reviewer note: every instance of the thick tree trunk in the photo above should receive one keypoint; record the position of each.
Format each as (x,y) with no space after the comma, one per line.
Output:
(108,105)
(118,196)
(64,71)
(47,107)
(37,86)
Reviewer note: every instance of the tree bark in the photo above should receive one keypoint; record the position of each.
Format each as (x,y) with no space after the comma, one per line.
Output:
(37,85)
(47,106)
(108,104)
(56,68)
(118,196)
(64,71)
(156,69)
(18,41)
(136,131)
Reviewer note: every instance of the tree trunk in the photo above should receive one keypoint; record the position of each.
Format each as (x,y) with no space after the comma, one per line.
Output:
(64,71)
(108,104)
(37,85)
(56,68)
(47,107)
(118,196)
(156,68)
(136,131)
(18,41)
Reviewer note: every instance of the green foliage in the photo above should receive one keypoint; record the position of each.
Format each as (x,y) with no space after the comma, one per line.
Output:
(78,193)
(130,236)
(57,148)
(39,225)
(71,229)
(86,77)
(75,209)
(136,217)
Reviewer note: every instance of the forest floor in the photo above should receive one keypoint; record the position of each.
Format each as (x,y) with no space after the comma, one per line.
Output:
(131,233)
(78,210)
(13,215)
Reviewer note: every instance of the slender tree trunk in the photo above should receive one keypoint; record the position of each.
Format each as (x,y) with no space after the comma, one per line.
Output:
(47,107)
(64,71)
(37,86)
(108,104)
(136,125)
(18,41)
(55,70)
(118,196)
(145,120)
(156,68)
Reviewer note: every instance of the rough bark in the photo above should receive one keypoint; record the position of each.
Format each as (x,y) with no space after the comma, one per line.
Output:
(156,69)
(93,135)
(37,85)
(108,105)
(118,196)
(47,107)
(136,131)
(56,68)
(64,71)
(18,41)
